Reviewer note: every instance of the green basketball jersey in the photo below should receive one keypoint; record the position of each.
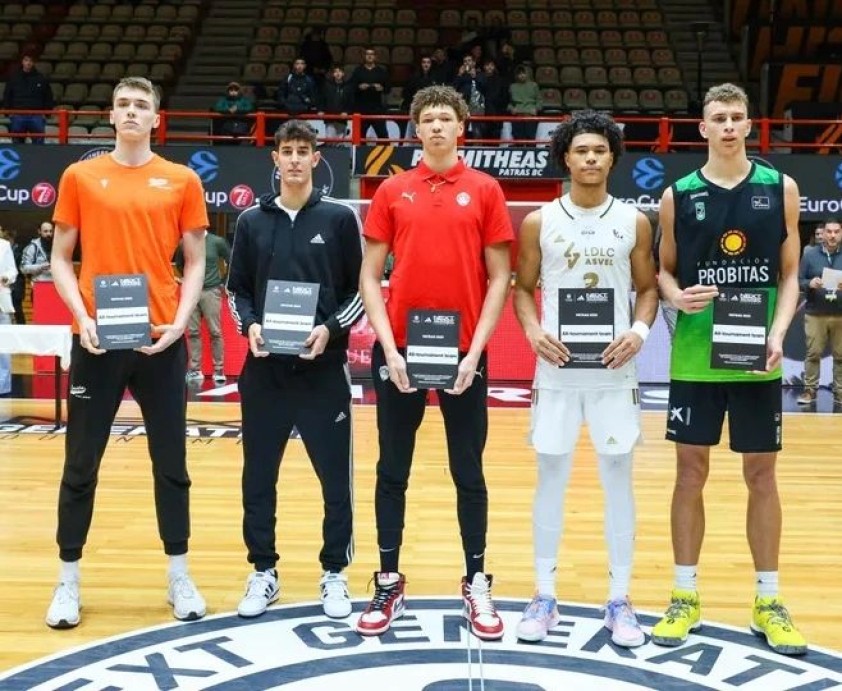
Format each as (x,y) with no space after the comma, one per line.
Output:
(724,237)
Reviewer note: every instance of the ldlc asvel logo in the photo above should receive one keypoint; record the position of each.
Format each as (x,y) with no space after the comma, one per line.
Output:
(295,647)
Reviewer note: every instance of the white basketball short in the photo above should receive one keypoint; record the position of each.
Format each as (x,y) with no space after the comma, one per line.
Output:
(612,416)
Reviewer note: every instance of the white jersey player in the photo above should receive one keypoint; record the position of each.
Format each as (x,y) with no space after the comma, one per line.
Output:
(589,248)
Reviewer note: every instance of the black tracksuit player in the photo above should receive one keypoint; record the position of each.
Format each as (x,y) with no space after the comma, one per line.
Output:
(302,236)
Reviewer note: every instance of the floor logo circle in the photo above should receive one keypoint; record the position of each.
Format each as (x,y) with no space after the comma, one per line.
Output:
(295,648)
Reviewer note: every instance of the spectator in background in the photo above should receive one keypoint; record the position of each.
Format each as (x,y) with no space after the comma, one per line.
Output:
(470,83)
(817,236)
(823,312)
(297,93)
(507,61)
(316,54)
(337,97)
(471,35)
(525,99)
(495,35)
(442,69)
(209,307)
(370,82)
(19,286)
(421,79)
(234,105)
(496,98)
(28,89)
(35,258)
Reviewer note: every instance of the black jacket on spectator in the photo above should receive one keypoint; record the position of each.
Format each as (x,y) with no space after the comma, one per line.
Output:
(369,100)
(337,97)
(28,91)
(496,94)
(416,82)
(297,94)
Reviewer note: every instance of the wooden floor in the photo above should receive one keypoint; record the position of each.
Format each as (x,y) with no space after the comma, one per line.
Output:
(123,572)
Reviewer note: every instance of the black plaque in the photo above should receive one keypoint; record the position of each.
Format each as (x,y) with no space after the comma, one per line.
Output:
(289,314)
(586,324)
(432,348)
(122,311)
(739,331)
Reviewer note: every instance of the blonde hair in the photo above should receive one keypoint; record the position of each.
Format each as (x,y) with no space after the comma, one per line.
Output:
(726,93)
(141,84)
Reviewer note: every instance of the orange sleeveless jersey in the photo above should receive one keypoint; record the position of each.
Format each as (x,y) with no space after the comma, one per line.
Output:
(130,221)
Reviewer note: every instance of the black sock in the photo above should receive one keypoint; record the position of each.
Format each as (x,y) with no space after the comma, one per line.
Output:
(389,559)
(474,562)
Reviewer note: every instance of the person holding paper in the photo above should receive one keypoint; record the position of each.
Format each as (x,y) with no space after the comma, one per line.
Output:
(585,370)
(729,227)
(450,231)
(8,275)
(294,274)
(128,209)
(820,277)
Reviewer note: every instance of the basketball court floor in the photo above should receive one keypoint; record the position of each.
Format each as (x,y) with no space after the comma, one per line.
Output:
(128,639)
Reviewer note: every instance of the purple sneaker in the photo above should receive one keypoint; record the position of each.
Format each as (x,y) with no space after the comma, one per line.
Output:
(539,617)
(621,620)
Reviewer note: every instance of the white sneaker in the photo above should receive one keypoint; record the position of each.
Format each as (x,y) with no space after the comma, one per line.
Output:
(336,601)
(185,598)
(219,378)
(261,591)
(64,609)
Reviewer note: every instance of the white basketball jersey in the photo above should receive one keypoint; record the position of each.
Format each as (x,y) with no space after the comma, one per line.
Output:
(586,248)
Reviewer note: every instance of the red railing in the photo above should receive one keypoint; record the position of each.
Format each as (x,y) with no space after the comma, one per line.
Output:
(664,129)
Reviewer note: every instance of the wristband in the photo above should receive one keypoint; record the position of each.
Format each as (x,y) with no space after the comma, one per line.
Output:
(640,329)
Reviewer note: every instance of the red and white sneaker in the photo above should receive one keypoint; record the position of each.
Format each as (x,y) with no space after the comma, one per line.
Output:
(479,608)
(386,605)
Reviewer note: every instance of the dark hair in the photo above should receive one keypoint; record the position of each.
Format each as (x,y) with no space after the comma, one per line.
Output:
(296,131)
(585,122)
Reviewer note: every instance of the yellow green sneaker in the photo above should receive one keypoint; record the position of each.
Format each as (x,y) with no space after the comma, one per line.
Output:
(683,615)
(771,619)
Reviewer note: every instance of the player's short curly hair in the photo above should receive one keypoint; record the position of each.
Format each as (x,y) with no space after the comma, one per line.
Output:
(438,95)
(585,122)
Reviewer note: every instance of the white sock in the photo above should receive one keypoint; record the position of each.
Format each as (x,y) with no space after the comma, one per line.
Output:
(548,518)
(69,571)
(615,473)
(177,565)
(685,577)
(767,583)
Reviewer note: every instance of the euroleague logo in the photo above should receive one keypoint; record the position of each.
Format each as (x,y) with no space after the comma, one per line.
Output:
(296,647)
(41,194)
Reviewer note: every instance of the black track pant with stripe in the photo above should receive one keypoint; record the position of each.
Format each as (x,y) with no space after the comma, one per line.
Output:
(96,387)
(399,416)
(276,395)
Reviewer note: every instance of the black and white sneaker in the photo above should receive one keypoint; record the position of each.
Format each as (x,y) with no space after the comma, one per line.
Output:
(261,591)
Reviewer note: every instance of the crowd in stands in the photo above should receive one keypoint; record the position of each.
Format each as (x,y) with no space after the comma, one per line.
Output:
(485,67)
